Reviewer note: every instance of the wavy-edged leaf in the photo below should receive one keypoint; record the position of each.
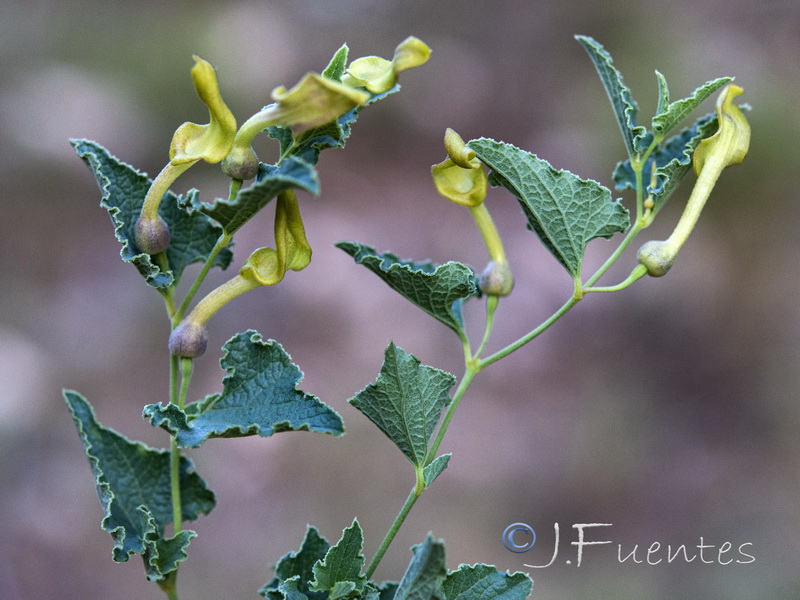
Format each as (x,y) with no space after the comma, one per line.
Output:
(439,290)
(339,573)
(625,109)
(485,582)
(292,173)
(296,569)
(565,211)
(259,397)
(672,161)
(406,401)
(133,483)
(123,189)
(669,117)
(425,573)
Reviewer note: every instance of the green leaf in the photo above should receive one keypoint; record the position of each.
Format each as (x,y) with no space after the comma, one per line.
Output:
(337,64)
(438,290)
(673,161)
(406,401)
(663,94)
(425,573)
(434,469)
(625,109)
(340,571)
(133,483)
(566,212)
(387,590)
(123,191)
(668,118)
(161,556)
(484,582)
(293,173)
(289,590)
(259,397)
(298,566)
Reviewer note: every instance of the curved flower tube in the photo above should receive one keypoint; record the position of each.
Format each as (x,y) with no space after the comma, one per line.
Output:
(728,146)
(314,101)
(265,266)
(190,143)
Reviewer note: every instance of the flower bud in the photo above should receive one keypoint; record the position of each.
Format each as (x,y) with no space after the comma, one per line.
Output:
(189,339)
(152,235)
(657,256)
(496,279)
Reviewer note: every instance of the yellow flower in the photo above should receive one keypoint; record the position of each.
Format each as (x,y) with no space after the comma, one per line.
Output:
(314,101)
(190,143)
(265,266)
(460,178)
(210,142)
(728,146)
(379,75)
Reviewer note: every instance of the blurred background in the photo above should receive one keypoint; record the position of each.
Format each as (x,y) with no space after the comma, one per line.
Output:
(669,410)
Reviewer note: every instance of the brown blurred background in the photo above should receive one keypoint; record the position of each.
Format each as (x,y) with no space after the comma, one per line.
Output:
(670,410)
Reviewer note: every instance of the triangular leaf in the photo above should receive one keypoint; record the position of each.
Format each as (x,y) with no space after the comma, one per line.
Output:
(622,102)
(340,571)
(293,173)
(434,469)
(673,161)
(438,290)
(337,64)
(133,483)
(484,582)
(425,573)
(123,191)
(259,397)
(298,566)
(669,118)
(663,94)
(406,401)
(566,212)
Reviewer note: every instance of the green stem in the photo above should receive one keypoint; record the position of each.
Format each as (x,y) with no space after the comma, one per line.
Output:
(463,385)
(186,367)
(222,242)
(169,585)
(638,272)
(531,335)
(398,522)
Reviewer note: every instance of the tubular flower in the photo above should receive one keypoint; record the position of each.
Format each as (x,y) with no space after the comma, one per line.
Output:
(265,266)
(314,101)
(190,143)
(210,142)
(462,179)
(728,146)
(379,75)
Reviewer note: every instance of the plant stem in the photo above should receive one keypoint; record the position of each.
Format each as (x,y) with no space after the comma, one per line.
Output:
(531,335)
(463,385)
(223,241)
(186,367)
(398,522)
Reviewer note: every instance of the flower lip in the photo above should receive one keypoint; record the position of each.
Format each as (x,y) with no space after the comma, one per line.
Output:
(210,142)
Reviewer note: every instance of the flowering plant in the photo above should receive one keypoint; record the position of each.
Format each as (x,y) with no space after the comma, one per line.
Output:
(147,495)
